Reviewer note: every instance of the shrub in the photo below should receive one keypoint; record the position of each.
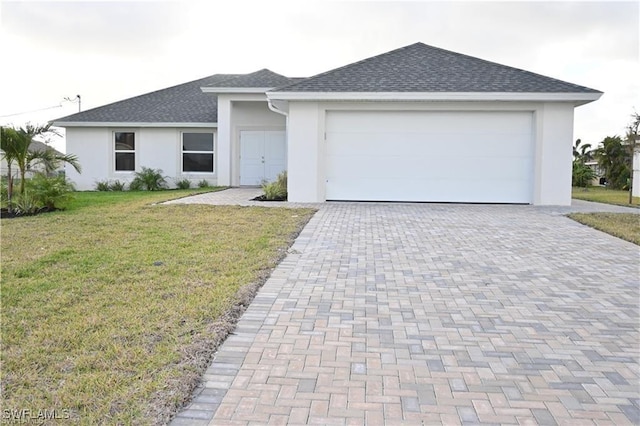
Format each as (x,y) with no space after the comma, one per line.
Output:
(25,204)
(582,175)
(4,191)
(276,190)
(203,183)
(135,185)
(183,184)
(102,185)
(50,192)
(116,185)
(149,179)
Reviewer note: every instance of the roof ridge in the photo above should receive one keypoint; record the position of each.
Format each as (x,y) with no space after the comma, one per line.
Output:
(229,81)
(418,55)
(322,74)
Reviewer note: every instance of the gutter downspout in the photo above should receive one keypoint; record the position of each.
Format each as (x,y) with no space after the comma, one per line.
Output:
(273,108)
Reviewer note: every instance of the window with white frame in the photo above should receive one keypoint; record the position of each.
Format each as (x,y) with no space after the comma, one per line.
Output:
(197,152)
(125,151)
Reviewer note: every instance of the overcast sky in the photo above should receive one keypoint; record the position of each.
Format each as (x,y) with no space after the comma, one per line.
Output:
(108,51)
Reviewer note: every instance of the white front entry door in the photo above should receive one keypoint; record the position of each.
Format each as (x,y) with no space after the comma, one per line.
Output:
(263,154)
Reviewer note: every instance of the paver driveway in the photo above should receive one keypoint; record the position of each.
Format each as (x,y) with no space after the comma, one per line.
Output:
(427,314)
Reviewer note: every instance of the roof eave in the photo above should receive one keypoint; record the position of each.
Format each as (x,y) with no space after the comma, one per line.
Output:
(577,98)
(58,123)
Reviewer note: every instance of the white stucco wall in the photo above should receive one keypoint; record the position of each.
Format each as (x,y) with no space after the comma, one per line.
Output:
(157,148)
(554,154)
(305,164)
(238,112)
(553,138)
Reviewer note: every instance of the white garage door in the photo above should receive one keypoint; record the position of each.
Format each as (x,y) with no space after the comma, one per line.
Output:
(478,157)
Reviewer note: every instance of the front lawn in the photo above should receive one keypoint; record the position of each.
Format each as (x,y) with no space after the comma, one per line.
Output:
(112,309)
(603,195)
(621,225)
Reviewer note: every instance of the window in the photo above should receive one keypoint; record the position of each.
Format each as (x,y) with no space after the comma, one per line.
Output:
(125,149)
(197,152)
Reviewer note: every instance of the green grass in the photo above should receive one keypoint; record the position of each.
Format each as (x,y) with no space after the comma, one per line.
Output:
(112,308)
(604,195)
(621,225)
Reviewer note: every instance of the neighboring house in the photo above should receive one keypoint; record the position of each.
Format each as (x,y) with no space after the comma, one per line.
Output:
(598,174)
(35,146)
(418,123)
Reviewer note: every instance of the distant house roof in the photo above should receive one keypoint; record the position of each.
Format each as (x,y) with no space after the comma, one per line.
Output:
(41,146)
(184,103)
(422,68)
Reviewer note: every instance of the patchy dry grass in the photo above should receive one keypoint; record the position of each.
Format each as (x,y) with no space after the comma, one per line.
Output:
(621,225)
(604,195)
(112,309)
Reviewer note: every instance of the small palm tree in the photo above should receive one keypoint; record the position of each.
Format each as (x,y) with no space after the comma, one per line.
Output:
(7,141)
(15,143)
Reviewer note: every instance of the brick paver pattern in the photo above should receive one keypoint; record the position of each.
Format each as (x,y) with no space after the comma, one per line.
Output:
(436,314)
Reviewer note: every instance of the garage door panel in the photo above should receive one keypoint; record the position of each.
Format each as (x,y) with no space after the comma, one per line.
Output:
(359,143)
(469,123)
(429,156)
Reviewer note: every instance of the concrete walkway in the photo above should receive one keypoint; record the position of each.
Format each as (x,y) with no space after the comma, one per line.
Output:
(429,313)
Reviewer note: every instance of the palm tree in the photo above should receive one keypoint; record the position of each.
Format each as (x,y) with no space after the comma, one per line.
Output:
(613,158)
(8,139)
(15,143)
(581,152)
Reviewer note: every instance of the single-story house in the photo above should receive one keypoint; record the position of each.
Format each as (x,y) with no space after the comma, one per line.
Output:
(417,123)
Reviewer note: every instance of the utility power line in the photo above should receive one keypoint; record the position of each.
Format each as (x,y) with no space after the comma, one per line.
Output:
(33,110)
(74,100)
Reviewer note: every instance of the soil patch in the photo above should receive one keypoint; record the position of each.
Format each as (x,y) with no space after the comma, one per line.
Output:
(264,198)
(6,214)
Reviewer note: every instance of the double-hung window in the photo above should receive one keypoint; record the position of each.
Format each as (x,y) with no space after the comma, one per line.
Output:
(197,152)
(125,151)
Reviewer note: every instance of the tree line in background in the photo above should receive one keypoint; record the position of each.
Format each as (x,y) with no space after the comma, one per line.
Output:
(613,156)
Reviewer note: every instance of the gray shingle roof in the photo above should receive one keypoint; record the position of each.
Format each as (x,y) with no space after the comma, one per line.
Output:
(261,78)
(414,68)
(184,103)
(41,146)
(422,68)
